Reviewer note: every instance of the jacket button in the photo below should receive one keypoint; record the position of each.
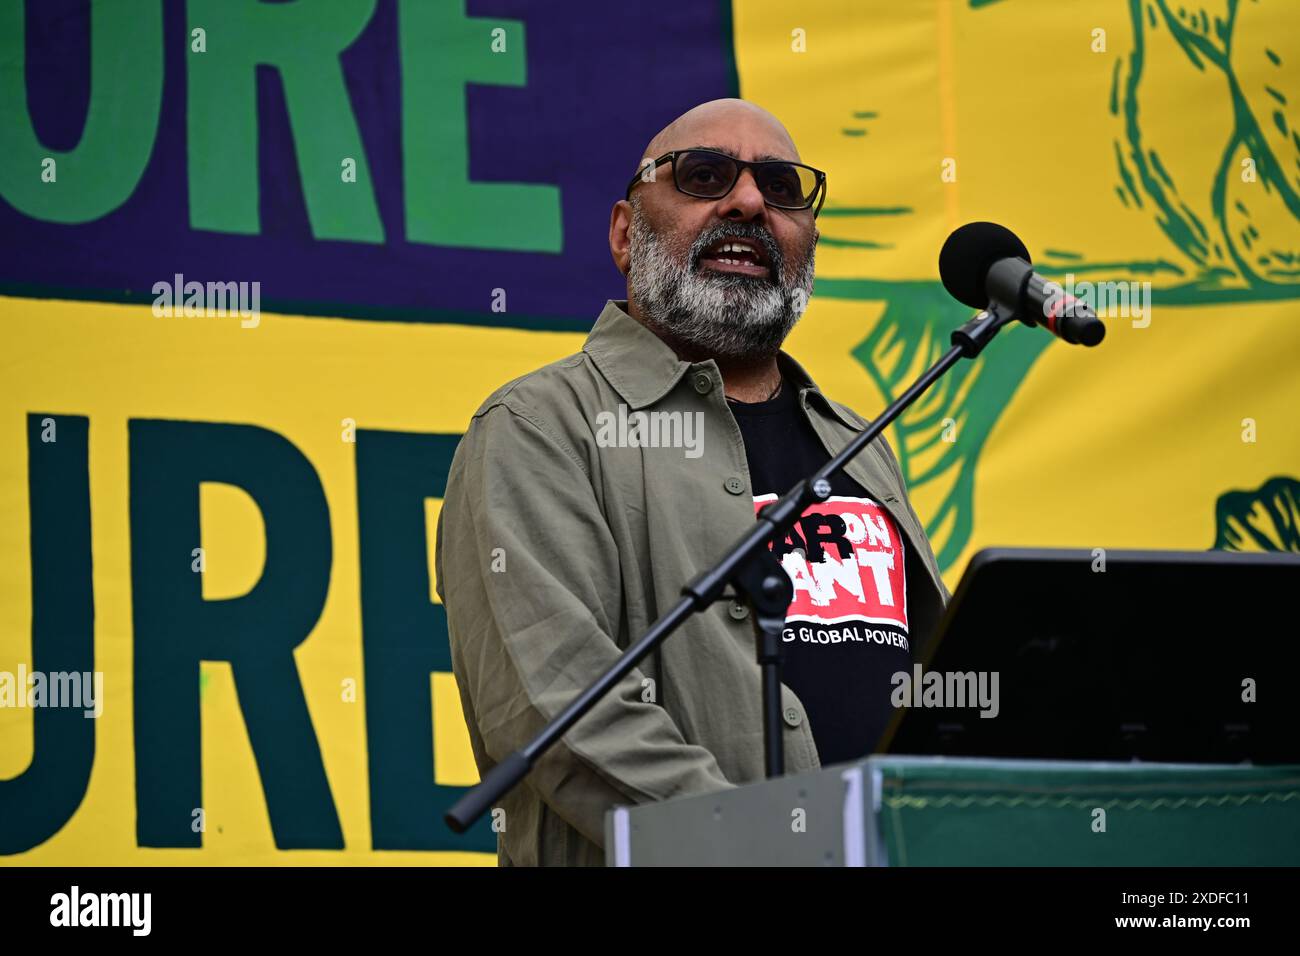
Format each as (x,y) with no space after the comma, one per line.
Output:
(703,383)
(734,485)
(738,611)
(792,717)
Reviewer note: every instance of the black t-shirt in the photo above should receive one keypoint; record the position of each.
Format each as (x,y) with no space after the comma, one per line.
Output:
(847,630)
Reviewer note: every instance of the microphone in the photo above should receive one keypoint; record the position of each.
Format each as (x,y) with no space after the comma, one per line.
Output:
(983,264)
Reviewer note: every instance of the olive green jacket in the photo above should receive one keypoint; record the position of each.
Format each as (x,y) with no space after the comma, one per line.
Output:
(560,541)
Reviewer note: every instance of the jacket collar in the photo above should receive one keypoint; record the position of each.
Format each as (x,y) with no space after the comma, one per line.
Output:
(639,364)
(642,368)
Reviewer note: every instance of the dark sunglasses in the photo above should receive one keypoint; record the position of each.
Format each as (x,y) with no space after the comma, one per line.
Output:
(706,174)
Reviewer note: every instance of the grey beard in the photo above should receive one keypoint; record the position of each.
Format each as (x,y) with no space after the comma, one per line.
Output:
(730,316)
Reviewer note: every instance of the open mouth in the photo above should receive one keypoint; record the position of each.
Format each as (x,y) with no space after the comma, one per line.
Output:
(738,256)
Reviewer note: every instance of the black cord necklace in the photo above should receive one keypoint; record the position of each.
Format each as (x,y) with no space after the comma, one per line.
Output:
(776,391)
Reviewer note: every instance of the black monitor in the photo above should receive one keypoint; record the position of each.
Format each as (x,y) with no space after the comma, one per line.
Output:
(1114,655)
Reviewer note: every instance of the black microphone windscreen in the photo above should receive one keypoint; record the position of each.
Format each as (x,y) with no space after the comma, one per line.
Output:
(969,253)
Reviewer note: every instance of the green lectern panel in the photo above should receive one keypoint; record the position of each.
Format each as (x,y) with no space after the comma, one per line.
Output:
(1020,813)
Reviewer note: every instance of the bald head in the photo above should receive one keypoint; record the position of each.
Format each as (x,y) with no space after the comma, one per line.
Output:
(730,124)
(715,269)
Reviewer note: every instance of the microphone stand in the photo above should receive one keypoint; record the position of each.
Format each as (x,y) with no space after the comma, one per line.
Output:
(754,573)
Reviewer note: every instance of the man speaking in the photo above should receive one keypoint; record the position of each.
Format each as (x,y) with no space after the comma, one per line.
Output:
(585,494)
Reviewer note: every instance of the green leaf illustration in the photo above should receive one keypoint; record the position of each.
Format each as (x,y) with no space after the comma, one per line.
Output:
(1266,519)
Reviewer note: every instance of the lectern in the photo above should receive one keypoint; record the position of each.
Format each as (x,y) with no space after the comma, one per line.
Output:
(1146,712)
(917,811)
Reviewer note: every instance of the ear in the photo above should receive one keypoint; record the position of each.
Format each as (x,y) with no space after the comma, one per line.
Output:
(620,240)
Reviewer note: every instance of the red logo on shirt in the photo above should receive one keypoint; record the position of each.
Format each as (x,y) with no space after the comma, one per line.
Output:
(845,558)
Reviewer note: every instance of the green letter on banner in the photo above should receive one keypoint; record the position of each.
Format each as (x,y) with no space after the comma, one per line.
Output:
(101,172)
(442,50)
(303,41)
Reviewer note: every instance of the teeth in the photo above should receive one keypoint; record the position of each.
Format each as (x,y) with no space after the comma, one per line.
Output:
(719,254)
(743,247)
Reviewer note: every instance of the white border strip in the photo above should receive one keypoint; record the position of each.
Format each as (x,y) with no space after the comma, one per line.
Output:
(877,799)
(622,838)
(855,837)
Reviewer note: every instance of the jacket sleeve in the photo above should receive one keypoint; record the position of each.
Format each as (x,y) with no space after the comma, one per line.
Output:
(530,577)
